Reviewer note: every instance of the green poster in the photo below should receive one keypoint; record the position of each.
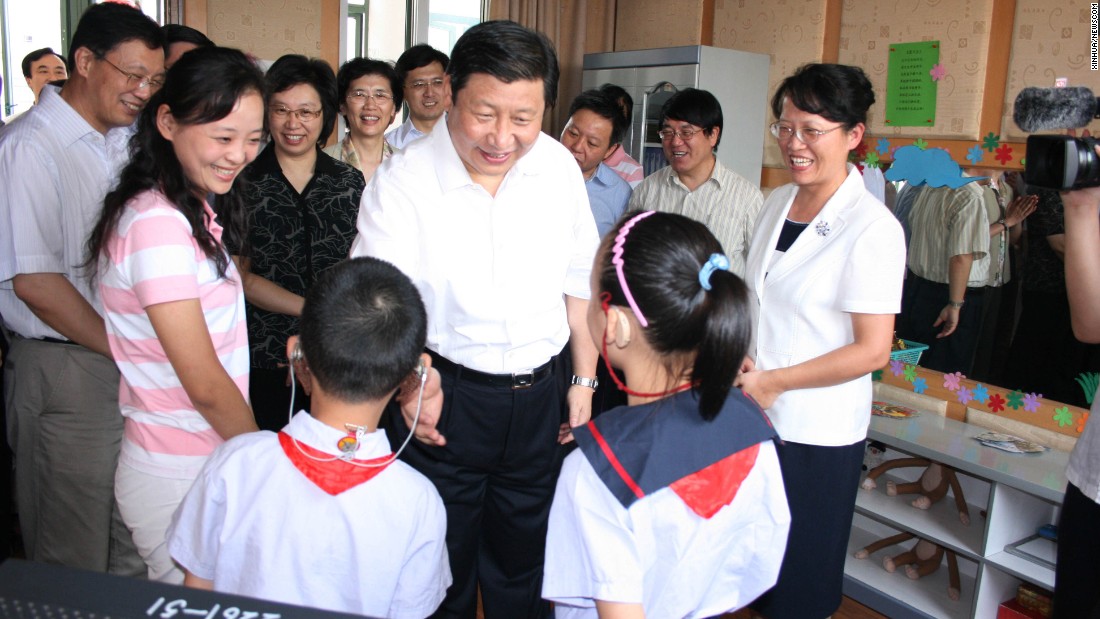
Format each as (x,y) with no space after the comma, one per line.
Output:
(910,89)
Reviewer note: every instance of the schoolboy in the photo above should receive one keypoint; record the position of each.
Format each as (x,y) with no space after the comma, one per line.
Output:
(335,522)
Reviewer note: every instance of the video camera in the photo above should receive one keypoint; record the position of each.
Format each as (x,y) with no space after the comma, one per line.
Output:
(1058,161)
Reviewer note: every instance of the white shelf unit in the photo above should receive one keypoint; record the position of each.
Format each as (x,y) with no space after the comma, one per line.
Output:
(1024,493)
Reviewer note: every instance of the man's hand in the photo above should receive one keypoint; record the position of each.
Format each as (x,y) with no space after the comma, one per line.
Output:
(579,400)
(1020,209)
(431,404)
(949,318)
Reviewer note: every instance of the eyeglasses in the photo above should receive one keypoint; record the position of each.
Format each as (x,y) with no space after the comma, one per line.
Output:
(361,96)
(806,136)
(304,115)
(135,81)
(421,85)
(684,134)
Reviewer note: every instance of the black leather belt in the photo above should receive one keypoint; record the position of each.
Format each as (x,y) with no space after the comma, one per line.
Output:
(515,380)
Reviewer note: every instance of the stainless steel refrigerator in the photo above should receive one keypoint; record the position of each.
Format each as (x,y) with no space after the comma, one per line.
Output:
(738,79)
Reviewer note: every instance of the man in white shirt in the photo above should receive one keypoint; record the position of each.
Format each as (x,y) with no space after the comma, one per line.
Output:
(695,184)
(489,218)
(57,162)
(41,67)
(427,93)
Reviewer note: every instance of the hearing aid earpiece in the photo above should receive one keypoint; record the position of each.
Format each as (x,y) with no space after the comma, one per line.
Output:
(622,334)
(296,354)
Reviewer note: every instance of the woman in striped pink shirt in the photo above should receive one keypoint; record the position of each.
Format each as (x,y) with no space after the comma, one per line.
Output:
(172,299)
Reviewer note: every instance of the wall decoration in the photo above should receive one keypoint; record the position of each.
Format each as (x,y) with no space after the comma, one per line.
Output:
(911,84)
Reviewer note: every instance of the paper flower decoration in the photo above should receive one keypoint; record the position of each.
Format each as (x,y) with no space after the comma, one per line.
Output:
(951,381)
(1081,421)
(920,385)
(910,373)
(990,142)
(897,366)
(996,403)
(1063,416)
(937,72)
(981,393)
(876,375)
(920,143)
(1015,400)
(975,155)
(883,146)
(1031,402)
(964,395)
(871,159)
(1004,154)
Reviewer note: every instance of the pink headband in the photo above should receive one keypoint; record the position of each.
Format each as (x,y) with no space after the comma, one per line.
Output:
(617,260)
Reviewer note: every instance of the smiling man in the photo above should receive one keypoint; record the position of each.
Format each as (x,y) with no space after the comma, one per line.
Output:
(489,217)
(695,183)
(594,129)
(421,70)
(57,162)
(41,67)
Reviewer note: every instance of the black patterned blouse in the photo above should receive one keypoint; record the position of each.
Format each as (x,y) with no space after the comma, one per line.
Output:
(294,237)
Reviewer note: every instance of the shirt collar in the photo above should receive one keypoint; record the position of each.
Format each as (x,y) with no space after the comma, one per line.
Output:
(309,431)
(70,126)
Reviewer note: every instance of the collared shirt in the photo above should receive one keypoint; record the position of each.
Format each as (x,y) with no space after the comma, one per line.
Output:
(377,549)
(1000,271)
(344,151)
(154,258)
(626,167)
(949,222)
(405,133)
(55,170)
(608,194)
(294,238)
(492,270)
(726,203)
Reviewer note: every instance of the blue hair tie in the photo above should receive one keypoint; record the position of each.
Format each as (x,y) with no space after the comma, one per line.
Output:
(716,261)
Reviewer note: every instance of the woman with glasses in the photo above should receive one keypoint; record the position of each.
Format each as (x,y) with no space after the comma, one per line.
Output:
(370,95)
(826,266)
(302,206)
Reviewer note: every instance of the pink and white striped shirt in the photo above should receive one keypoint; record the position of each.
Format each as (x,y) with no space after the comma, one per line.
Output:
(155,259)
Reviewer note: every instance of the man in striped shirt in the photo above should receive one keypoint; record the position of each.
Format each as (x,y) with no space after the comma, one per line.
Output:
(695,183)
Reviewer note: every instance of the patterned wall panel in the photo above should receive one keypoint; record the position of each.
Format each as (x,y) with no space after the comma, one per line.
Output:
(868,27)
(646,24)
(267,28)
(790,31)
(1050,40)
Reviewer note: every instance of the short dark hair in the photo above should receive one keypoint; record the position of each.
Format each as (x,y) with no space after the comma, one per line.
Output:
(508,52)
(601,104)
(358,67)
(708,330)
(695,106)
(105,26)
(294,69)
(37,54)
(621,97)
(178,33)
(362,329)
(838,92)
(420,55)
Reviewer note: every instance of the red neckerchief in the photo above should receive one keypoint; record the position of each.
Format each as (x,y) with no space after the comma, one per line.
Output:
(331,475)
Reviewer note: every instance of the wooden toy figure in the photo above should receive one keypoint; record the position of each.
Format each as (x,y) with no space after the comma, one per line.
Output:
(921,560)
(932,485)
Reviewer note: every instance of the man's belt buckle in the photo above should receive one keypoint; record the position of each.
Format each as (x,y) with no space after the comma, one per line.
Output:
(523,380)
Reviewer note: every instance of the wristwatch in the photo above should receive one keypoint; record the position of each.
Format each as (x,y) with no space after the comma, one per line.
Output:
(591,383)
(955,305)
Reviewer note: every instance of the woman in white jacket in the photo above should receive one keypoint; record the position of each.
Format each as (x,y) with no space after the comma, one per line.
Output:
(826,267)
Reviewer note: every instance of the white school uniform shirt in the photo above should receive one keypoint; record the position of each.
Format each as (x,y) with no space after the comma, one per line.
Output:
(849,259)
(492,270)
(660,553)
(377,549)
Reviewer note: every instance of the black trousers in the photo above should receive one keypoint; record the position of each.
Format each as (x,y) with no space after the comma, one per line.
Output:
(921,304)
(496,475)
(1076,594)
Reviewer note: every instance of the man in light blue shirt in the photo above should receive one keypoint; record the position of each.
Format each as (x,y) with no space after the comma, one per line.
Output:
(594,129)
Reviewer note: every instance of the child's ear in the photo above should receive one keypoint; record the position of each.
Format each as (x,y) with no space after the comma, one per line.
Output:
(293,349)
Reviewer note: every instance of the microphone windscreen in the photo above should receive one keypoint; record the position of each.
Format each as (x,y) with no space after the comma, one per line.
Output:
(1043,109)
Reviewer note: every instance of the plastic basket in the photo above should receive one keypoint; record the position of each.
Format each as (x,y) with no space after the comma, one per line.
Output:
(911,354)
